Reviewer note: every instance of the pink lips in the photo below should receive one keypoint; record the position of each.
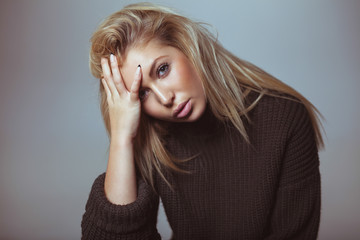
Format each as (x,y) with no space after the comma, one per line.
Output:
(183,109)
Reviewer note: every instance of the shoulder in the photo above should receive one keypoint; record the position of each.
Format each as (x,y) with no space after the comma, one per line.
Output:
(279,115)
(277,107)
(281,126)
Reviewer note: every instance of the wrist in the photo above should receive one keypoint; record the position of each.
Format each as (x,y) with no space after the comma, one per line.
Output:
(121,141)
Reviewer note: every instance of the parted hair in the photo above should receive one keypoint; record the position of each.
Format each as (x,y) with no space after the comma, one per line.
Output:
(226,79)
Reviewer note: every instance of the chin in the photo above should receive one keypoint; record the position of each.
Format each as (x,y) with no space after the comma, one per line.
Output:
(196,115)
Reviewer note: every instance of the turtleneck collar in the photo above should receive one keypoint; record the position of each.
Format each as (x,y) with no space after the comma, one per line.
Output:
(206,125)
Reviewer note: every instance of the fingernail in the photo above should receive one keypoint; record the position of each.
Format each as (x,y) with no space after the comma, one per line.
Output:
(112,58)
(138,70)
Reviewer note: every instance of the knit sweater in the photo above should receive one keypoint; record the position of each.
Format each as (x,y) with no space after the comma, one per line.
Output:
(266,189)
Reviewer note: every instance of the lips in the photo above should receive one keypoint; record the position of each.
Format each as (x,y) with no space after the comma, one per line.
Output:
(183,109)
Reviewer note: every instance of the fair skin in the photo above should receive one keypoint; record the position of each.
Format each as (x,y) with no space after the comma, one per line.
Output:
(153,78)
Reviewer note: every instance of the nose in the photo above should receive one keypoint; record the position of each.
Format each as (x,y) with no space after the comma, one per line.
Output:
(164,95)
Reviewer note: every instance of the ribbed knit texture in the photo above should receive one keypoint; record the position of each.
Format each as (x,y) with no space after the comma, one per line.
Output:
(268,189)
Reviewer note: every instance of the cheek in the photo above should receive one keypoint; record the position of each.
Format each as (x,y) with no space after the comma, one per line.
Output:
(146,107)
(150,107)
(184,78)
(192,83)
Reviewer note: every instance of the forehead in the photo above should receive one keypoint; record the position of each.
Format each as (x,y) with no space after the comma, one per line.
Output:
(143,55)
(144,52)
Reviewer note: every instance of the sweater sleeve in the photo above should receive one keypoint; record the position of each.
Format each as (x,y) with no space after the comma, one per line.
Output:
(105,220)
(296,212)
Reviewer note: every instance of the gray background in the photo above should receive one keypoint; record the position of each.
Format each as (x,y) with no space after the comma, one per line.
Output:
(52,139)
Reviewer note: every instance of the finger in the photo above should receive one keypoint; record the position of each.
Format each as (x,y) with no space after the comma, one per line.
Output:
(108,76)
(134,92)
(106,88)
(119,83)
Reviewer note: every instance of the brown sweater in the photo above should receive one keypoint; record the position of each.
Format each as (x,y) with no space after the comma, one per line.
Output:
(268,189)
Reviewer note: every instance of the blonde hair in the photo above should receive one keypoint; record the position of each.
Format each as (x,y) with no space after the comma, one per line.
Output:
(226,79)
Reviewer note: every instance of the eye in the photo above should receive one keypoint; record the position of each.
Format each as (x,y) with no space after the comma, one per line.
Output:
(143,94)
(162,70)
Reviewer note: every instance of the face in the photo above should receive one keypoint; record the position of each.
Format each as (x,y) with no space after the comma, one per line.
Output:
(171,89)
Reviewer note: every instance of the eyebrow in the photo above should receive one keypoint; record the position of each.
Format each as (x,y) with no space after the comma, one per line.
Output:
(154,64)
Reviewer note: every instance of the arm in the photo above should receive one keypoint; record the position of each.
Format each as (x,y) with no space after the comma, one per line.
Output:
(124,113)
(120,178)
(296,211)
(135,221)
(119,207)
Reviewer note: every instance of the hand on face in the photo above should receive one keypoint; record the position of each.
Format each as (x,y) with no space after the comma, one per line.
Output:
(124,105)
(171,89)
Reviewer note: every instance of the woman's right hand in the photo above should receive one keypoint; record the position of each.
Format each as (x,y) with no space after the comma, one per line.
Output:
(124,112)
(124,106)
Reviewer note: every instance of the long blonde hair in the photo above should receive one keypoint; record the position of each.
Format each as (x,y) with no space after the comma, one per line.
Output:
(226,78)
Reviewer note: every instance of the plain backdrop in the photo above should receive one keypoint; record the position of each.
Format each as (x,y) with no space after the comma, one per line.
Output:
(52,140)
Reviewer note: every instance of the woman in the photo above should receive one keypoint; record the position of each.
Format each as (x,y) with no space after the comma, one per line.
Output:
(231,150)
